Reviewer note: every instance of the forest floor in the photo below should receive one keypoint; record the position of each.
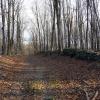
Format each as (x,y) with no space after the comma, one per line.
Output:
(48,78)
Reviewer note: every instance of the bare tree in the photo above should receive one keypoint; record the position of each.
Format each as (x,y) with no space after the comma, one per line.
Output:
(3,27)
(71,26)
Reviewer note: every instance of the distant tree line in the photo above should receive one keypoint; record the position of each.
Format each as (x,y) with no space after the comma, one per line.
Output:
(63,24)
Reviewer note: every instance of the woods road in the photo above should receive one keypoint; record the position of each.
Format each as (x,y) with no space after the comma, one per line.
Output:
(50,68)
(59,71)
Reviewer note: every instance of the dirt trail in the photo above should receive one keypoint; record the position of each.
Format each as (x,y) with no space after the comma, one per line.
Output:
(58,78)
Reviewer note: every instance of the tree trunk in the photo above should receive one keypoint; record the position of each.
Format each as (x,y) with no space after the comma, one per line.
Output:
(3,28)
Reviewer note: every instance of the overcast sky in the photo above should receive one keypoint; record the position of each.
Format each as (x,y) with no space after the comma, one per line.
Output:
(28,15)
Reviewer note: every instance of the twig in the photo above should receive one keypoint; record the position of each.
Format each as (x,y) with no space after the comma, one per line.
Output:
(87,96)
(95,96)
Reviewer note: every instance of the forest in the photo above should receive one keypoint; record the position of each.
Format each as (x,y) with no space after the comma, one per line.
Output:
(61,24)
(61,55)
(67,25)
